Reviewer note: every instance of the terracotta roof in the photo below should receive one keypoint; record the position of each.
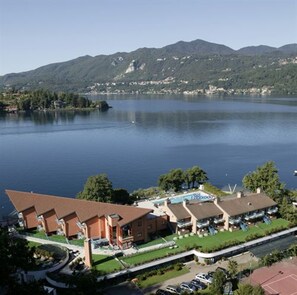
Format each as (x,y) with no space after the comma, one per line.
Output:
(204,210)
(84,209)
(179,211)
(246,203)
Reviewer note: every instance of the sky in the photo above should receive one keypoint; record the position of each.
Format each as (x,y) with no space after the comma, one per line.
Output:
(34,33)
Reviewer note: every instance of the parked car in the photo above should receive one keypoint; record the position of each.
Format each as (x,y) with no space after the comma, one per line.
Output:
(162,292)
(189,287)
(173,289)
(198,284)
(204,277)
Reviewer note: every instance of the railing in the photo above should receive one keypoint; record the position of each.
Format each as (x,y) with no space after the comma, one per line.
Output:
(254,215)
(203,224)
(126,239)
(272,210)
(218,220)
(234,220)
(184,224)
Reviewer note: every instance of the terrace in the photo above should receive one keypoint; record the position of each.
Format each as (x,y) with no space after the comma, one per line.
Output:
(272,210)
(234,220)
(254,215)
(183,224)
(202,223)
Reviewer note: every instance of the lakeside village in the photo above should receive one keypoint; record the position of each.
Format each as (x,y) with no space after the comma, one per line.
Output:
(121,242)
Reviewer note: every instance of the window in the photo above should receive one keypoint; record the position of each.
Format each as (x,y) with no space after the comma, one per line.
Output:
(139,235)
(149,226)
(139,223)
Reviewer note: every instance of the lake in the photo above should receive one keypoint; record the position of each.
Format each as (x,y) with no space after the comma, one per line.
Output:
(141,138)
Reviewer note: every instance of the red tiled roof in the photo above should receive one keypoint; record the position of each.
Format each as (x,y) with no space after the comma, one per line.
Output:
(64,206)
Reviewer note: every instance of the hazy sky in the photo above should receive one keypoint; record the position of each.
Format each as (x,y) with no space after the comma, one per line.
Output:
(38,32)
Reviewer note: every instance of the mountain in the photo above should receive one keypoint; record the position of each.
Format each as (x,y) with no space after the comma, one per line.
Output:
(199,47)
(262,49)
(196,67)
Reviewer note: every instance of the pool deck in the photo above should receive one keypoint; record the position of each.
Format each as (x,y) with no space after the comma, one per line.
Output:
(194,195)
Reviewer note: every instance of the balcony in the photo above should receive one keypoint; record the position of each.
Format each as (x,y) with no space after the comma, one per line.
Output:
(126,239)
(59,221)
(218,220)
(183,224)
(60,232)
(202,224)
(272,210)
(40,227)
(40,218)
(235,220)
(81,225)
(254,215)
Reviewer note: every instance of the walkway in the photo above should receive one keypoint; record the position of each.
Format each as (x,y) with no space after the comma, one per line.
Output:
(222,253)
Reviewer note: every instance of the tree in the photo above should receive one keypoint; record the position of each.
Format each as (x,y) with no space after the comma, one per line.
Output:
(232,268)
(16,255)
(266,178)
(194,176)
(247,289)
(97,188)
(164,182)
(217,286)
(121,196)
(176,179)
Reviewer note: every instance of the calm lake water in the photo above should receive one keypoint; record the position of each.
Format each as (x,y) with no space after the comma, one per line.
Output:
(139,139)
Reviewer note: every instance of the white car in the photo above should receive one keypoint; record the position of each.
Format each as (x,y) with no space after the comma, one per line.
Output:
(204,277)
(173,289)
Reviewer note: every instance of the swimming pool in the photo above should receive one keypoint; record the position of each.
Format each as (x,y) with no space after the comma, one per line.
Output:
(198,196)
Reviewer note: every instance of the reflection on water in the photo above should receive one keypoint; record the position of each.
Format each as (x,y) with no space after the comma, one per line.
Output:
(139,139)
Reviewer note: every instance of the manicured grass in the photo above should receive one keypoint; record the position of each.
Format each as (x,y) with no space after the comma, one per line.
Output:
(105,264)
(153,280)
(152,243)
(222,237)
(150,255)
(77,242)
(204,243)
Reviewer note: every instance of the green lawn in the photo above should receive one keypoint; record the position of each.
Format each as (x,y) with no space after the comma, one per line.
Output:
(222,237)
(105,264)
(150,255)
(152,243)
(77,242)
(153,280)
(205,242)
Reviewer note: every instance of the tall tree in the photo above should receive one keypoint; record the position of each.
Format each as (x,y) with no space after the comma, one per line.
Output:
(194,176)
(232,268)
(97,188)
(121,196)
(266,178)
(15,255)
(176,179)
(164,182)
(217,286)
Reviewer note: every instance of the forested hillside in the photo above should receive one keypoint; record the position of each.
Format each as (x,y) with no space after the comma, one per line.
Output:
(196,67)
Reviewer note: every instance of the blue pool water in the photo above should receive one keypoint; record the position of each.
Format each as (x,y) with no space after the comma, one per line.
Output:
(202,197)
